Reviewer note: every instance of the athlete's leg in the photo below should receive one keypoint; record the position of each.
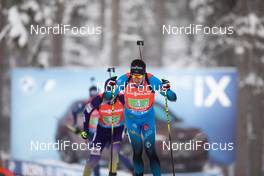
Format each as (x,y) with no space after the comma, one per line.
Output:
(137,147)
(117,138)
(95,152)
(134,134)
(91,163)
(149,132)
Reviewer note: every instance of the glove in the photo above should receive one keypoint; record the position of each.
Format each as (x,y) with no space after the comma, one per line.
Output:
(165,85)
(84,135)
(111,82)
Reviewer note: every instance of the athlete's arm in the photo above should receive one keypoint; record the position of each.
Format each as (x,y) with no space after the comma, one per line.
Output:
(77,110)
(156,85)
(74,115)
(89,108)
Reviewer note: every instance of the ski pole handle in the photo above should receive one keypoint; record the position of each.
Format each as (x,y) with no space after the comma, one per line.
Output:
(140,43)
(111,70)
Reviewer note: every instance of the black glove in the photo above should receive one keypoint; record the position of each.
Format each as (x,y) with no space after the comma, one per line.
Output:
(165,85)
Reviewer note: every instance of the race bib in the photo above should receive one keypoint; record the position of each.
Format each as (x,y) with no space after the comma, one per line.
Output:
(108,119)
(138,103)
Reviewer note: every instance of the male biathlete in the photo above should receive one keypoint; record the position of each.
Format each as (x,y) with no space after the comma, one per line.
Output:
(103,133)
(139,92)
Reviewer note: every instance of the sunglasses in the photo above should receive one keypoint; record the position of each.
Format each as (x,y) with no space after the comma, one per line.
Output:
(137,76)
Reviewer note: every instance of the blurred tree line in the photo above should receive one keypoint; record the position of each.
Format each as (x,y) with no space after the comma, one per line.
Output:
(124,22)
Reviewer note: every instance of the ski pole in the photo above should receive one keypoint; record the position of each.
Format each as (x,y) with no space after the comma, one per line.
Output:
(140,43)
(71,128)
(169,131)
(110,70)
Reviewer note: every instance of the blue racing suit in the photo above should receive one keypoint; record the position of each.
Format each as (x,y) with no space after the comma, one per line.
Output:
(139,119)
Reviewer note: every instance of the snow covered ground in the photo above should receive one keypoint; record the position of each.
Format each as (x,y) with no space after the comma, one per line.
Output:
(50,168)
(208,171)
(58,168)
